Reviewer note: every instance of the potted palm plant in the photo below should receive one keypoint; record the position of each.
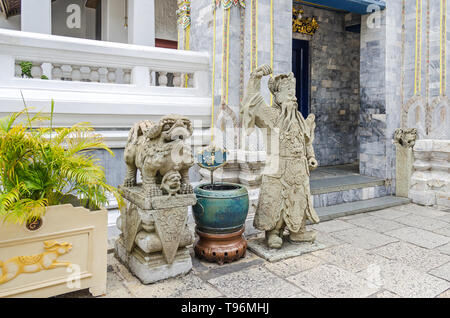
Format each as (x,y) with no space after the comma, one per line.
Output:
(53,228)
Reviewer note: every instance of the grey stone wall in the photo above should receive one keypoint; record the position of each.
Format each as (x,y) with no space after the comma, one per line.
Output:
(202,40)
(334,99)
(431,118)
(372,118)
(114,165)
(393,81)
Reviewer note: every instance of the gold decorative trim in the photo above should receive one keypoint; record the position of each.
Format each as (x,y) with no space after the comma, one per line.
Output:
(304,25)
(15,266)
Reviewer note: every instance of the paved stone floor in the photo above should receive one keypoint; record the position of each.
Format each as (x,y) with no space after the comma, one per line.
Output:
(396,252)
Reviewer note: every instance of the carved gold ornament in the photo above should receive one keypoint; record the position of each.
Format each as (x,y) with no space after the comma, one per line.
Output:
(302,24)
(15,266)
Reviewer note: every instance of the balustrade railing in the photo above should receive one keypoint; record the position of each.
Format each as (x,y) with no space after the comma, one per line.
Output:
(109,84)
(59,58)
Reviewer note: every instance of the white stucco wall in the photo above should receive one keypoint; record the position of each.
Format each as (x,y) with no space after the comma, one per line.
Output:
(113,19)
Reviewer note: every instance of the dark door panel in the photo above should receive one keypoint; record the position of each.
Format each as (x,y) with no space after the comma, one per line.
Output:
(300,68)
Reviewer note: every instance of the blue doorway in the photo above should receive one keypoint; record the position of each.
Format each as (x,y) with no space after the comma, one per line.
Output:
(300,68)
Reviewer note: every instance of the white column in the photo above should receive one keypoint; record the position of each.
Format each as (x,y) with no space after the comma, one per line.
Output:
(7,66)
(141,22)
(113,21)
(140,76)
(36,16)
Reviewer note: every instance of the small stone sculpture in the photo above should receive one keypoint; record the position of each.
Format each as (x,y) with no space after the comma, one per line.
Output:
(405,137)
(153,223)
(284,199)
(155,149)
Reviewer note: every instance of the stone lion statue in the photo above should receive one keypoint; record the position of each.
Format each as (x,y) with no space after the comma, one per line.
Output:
(405,137)
(157,149)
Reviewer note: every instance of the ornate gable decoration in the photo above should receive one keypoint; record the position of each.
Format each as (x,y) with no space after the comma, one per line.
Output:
(302,24)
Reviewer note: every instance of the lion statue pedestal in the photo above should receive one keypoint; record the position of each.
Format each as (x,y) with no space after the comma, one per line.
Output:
(153,222)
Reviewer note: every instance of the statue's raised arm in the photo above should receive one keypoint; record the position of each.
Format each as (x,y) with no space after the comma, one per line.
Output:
(254,110)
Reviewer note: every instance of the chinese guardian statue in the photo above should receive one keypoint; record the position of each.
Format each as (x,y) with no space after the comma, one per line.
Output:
(284,199)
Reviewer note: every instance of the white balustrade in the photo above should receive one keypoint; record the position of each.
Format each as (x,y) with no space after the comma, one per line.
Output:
(430,180)
(109,84)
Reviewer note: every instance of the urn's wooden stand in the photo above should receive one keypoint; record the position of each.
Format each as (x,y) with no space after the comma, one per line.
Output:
(220,248)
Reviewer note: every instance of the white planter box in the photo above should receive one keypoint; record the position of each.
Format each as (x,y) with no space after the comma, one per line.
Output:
(84,230)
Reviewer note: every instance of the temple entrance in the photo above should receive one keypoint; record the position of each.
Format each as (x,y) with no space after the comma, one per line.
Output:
(300,68)
(326,61)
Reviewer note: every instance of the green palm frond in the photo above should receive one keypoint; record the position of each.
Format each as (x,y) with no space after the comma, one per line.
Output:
(41,166)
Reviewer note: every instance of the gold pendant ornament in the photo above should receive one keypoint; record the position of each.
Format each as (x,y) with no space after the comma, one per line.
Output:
(302,24)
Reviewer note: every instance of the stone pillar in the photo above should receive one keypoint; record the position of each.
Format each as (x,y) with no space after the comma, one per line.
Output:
(372,118)
(247,158)
(36,16)
(141,22)
(380,79)
(404,140)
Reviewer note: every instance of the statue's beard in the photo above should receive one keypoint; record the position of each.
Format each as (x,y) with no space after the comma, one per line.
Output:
(289,114)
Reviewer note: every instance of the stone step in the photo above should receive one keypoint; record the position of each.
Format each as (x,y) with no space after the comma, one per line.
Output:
(339,210)
(343,183)
(344,189)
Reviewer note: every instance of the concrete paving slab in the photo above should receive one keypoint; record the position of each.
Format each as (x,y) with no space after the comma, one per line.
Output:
(302,295)
(408,254)
(115,287)
(443,231)
(384,294)
(445,294)
(332,226)
(375,223)
(189,286)
(445,218)
(389,214)
(405,281)
(421,222)
(421,210)
(349,257)
(254,282)
(419,237)
(294,265)
(229,268)
(328,240)
(442,272)
(445,249)
(329,281)
(260,248)
(363,238)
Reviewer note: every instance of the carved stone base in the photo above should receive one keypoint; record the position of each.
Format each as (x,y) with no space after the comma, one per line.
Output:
(260,248)
(220,248)
(150,268)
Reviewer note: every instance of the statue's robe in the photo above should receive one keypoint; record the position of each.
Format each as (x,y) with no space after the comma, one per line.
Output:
(285,191)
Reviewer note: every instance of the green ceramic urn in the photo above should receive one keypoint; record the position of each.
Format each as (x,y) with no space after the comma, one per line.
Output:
(221,207)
